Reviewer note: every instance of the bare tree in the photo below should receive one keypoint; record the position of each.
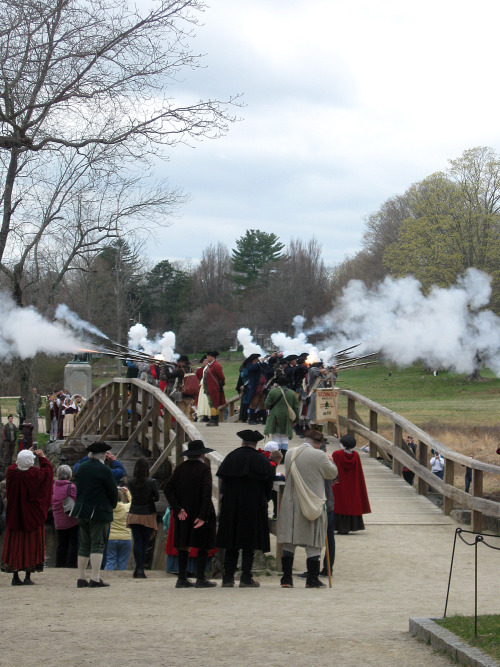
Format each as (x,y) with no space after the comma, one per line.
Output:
(85,84)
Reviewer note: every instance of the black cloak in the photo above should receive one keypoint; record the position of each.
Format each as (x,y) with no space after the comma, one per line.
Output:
(247,481)
(190,489)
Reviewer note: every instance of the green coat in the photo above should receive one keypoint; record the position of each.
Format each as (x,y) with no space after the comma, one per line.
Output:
(96,492)
(278,420)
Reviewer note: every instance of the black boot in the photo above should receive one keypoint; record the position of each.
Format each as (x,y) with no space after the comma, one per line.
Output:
(182,580)
(230,562)
(263,416)
(27,580)
(287,567)
(246,580)
(15,580)
(312,580)
(201,566)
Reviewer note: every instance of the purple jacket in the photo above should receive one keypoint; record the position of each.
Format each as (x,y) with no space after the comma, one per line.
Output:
(59,493)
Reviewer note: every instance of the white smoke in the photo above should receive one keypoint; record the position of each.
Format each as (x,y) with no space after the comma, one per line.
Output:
(162,347)
(75,322)
(298,324)
(245,339)
(24,333)
(443,329)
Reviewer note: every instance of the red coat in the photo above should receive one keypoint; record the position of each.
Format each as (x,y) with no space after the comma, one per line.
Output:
(214,380)
(29,494)
(350,493)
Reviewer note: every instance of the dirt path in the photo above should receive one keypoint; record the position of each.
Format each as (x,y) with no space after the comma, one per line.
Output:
(381,578)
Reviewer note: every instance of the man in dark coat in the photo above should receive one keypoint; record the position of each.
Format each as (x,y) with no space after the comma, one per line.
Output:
(247,481)
(189,494)
(96,497)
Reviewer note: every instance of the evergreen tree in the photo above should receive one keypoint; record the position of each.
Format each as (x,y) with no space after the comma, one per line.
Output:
(255,253)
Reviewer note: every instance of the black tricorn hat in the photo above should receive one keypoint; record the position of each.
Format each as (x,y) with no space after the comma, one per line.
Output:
(196,448)
(250,436)
(98,447)
(348,441)
(292,357)
(282,380)
(303,356)
(202,359)
(183,358)
(251,358)
(213,353)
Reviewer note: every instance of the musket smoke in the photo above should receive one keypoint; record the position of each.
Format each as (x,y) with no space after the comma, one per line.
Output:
(245,339)
(164,346)
(24,333)
(444,328)
(75,322)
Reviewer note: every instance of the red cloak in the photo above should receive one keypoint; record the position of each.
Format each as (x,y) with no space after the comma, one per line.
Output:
(351,497)
(29,494)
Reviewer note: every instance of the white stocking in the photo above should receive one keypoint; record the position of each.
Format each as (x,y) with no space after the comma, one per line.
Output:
(95,564)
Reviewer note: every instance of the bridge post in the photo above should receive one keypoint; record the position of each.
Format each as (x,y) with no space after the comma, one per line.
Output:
(155,429)
(116,407)
(145,397)
(181,436)
(351,413)
(449,478)
(134,393)
(374,428)
(477,492)
(422,459)
(123,425)
(398,442)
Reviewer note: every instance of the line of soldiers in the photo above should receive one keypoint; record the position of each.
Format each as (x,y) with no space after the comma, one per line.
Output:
(258,375)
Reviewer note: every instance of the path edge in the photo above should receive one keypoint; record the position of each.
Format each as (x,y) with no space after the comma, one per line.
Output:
(445,641)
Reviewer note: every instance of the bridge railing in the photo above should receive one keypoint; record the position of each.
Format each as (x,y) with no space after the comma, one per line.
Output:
(135,411)
(401,457)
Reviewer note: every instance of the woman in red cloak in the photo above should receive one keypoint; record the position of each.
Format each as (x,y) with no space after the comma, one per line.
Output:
(351,497)
(29,494)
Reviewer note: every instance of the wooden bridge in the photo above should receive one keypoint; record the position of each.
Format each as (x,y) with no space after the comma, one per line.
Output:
(143,420)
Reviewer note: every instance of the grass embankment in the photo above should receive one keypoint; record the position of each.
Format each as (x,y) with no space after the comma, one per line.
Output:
(488,632)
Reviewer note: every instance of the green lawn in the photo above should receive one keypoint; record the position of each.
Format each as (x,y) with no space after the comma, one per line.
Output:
(488,632)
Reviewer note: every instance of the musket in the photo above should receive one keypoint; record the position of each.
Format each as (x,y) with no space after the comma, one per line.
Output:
(349,361)
(364,363)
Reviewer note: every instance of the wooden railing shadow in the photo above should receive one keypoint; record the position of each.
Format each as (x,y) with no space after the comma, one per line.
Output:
(380,446)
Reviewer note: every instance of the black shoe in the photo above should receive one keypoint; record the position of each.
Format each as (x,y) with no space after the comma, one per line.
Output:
(312,580)
(248,582)
(286,582)
(303,575)
(204,583)
(28,582)
(16,582)
(82,583)
(141,574)
(227,581)
(315,583)
(184,583)
(324,573)
(97,584)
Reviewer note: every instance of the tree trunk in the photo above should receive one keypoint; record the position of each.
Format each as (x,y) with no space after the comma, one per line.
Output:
(26,383)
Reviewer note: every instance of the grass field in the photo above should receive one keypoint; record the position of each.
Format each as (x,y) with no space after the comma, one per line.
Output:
(488,632)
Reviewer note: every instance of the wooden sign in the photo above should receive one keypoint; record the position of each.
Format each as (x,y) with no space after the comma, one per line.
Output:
(327,405)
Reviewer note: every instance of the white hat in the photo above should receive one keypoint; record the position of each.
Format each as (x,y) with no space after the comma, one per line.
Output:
(25,459)
(271,446)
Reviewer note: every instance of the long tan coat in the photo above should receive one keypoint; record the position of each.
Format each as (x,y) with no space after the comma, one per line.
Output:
(293,528)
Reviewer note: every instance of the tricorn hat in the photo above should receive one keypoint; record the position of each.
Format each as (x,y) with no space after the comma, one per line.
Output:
(250,436)
(282,380)
(303,356)
(196,448)
(317,436)
(251,358)
(98,447)
(348,441)
(213,353)
(183,359)
(292,357)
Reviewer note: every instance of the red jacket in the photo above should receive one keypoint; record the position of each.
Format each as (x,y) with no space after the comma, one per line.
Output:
(214,380)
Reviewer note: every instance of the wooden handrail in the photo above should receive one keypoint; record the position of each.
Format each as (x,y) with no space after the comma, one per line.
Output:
(378,444)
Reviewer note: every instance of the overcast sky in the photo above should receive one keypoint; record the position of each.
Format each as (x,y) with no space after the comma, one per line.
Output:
(347,104)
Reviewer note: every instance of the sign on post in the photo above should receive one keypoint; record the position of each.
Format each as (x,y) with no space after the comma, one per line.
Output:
(327,406)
